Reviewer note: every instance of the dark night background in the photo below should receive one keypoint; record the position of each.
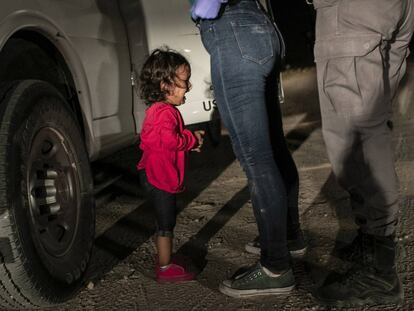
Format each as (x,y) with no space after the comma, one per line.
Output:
(296,21)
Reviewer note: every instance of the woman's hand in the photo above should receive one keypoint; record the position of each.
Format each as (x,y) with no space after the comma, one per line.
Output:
(206,9)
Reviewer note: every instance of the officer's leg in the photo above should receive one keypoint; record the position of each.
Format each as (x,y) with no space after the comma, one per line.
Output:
(358,70)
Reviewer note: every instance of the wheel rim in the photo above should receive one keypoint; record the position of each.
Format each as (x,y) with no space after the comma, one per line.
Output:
(54,191)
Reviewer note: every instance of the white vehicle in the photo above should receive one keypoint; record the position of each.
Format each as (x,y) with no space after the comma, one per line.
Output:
(68,96)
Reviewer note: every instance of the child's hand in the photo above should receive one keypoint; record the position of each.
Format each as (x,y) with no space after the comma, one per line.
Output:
(199,135)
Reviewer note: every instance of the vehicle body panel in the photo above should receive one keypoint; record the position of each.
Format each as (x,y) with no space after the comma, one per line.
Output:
(169,23)
(104,44)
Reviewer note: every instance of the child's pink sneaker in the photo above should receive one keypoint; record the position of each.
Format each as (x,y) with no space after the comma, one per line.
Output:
(174,273)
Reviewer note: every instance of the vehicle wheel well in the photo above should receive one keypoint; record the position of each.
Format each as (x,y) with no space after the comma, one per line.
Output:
(30,55)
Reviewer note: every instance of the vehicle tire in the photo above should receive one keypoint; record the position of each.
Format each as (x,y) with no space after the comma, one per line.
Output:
(47,216)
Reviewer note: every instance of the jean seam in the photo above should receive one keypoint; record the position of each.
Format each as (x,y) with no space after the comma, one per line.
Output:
(242,149)
(227,104)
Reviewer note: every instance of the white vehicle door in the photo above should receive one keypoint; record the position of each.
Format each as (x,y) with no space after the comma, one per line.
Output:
(168,22)
(97,31)
(134,20)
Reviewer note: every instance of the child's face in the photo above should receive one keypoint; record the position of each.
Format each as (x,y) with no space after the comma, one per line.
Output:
(176,93)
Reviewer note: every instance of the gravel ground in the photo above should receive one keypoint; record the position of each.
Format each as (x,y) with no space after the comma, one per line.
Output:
(216,221)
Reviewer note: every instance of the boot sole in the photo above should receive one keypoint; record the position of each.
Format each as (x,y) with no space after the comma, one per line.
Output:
(237,293)
(300,253)
(252,250)
(373,300)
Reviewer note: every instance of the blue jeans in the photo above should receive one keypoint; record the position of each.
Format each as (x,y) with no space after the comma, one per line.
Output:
(244,48)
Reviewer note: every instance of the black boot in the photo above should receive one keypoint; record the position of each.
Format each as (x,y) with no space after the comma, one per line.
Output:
(373,281)
(352,252)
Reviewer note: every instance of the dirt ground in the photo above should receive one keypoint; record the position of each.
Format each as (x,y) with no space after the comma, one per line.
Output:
(216,221)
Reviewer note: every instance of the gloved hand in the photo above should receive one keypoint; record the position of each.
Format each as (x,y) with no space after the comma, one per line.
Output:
(206,9)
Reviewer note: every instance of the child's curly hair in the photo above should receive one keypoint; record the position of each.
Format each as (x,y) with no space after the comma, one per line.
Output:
(161,66)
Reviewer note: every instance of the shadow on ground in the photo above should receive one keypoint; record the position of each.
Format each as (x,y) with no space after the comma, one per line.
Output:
(135,228)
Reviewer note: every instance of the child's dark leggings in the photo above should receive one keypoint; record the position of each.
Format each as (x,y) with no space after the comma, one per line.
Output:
(164,204)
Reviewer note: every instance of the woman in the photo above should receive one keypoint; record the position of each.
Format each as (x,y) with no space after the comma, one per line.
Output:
(245,49)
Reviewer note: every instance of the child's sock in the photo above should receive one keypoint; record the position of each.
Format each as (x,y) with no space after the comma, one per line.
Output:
(162,268)
(270,273)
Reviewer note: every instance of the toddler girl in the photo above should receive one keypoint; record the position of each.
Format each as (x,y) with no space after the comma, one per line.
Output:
(165,79)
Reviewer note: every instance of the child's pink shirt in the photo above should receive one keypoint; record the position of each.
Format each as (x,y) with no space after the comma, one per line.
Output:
(165,144)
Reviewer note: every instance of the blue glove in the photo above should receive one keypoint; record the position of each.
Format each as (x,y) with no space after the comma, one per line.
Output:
(206,9)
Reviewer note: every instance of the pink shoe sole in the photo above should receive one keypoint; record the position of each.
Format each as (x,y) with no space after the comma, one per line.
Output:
(177,279)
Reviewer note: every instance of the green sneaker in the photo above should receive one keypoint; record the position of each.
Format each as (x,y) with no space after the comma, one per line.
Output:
(256,282)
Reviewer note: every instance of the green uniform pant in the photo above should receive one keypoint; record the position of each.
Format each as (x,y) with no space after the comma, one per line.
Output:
(360,51)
